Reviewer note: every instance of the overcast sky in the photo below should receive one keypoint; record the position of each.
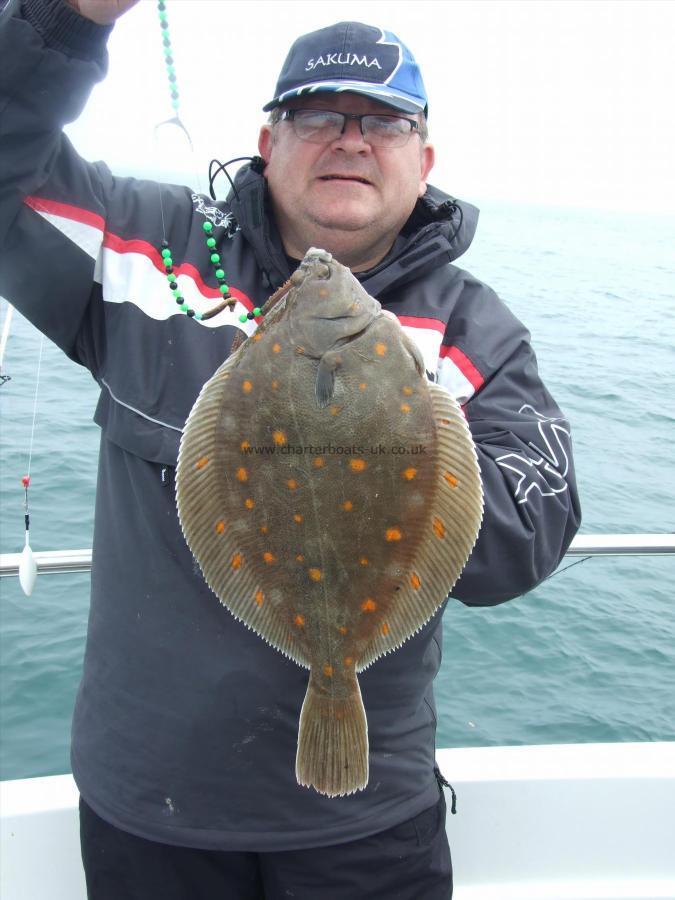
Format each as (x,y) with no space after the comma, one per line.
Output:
(538,101)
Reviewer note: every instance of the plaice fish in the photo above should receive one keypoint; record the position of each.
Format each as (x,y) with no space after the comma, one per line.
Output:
(331,496)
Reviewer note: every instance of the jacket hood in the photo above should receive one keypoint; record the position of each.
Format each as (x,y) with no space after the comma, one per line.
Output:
(439,230)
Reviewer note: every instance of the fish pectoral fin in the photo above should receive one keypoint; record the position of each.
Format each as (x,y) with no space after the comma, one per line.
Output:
(333,737)
(325,377)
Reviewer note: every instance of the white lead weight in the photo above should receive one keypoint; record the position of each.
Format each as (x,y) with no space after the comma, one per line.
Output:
(27,569)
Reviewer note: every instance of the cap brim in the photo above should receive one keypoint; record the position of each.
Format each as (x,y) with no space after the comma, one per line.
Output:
(380,92)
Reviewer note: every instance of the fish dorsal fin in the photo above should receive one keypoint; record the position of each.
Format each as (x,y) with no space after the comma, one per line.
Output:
(453,523)
(225,556)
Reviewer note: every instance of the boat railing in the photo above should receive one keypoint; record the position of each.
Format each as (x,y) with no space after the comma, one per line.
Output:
(659,544)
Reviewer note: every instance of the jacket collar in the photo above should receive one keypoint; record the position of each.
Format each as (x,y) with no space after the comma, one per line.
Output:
(439,230)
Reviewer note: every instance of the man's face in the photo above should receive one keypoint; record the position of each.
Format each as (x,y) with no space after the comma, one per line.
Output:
(348,197)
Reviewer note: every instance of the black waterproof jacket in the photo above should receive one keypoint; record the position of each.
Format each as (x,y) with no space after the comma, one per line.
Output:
(186,722)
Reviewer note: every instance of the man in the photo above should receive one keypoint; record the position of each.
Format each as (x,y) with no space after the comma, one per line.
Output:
(185,723)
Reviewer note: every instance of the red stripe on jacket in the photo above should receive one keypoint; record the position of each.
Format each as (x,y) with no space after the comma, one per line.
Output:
(464,364)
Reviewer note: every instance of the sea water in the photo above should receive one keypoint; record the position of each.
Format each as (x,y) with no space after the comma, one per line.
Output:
(587,656)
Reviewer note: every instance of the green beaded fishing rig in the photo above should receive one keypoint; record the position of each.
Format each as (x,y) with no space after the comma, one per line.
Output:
(165,251)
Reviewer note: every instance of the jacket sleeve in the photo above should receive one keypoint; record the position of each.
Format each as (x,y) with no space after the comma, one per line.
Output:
(524,450)
(51,58)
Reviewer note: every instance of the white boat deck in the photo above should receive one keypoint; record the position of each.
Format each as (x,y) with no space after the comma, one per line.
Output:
(563,822)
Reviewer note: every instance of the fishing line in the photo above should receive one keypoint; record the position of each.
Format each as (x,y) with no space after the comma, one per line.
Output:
(214,216)
(175,119)
(3,342)
(27,564)
(35,402)
(571,565)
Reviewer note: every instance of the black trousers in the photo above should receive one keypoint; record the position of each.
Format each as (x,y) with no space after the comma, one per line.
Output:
(408,862)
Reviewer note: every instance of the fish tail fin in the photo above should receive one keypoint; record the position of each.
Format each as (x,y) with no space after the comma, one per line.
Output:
(333,737)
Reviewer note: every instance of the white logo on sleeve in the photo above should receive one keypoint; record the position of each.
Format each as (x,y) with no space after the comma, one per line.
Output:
(544,473)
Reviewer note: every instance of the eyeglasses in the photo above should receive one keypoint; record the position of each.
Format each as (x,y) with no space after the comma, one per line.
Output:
(321,126)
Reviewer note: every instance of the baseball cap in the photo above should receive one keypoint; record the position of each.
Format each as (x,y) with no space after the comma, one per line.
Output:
(350,56)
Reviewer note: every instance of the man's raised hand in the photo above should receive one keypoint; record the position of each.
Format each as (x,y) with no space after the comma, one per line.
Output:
(103,12)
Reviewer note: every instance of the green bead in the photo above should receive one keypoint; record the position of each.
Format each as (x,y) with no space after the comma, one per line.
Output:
(174,103)
(256,310)
(211,242)
(198,316)
(207,226)
(224,288)
(220,273)
(168,262)
(215,258)
(166,252)
(184,307)
(243,318)
(171,276)
(176,292)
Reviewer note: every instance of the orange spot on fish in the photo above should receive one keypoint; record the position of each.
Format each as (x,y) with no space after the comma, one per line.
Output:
(452,481)
(328,671)
(357,465)
(319,462)
(276,348)
(348,660)
(408,391)
(409,473)
(292,484)
(343,629)
(393,534)
(380,348)
(323,292)
(415,581)
(299,621)
(275,384)
(263,529)
(269,557)
(348,506)
(247,386)
(201,462)
(384,629)
(444,421)
(439,528)
(237,560)
(297,517)
(405,407)
(256,337)
(369,605)
(362,386)
(315,574)
(259,597)
(244,446)
(279,437)
(363,560)
(220,527)
(249,503)
(335,410)
(300,558)
(242,474)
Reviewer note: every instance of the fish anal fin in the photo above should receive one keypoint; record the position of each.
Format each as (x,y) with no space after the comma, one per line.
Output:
(454,519)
